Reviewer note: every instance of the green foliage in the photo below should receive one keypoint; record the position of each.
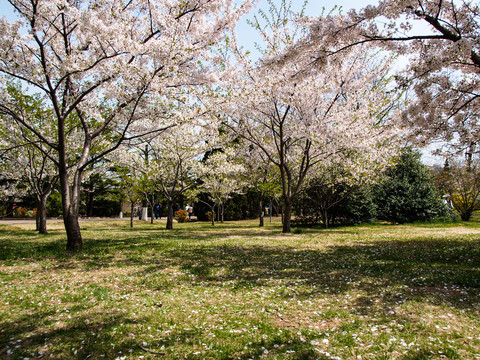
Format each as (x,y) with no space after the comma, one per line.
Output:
(407,193)
(242,206)
(356,208)
(334,198)
(102,195)
(54,204)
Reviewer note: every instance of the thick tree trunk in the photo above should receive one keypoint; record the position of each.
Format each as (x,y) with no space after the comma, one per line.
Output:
(169,215)
(42,213)
(144,211)
(260,211)
(466,215)
(325,217)
(287,216)
(71,207)
(74,236)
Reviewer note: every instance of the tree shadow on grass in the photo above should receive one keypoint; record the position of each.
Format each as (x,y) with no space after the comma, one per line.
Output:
(448,271)
(44,334)
(444,272)
(427,264)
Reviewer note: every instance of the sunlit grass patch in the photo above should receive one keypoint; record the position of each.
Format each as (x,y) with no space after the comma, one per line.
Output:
(236,291)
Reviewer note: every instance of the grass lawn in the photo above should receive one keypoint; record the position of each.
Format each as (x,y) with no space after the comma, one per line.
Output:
(236,291)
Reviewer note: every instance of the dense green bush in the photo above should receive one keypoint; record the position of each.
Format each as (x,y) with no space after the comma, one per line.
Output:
(357,207)
(407,192)
(345,205)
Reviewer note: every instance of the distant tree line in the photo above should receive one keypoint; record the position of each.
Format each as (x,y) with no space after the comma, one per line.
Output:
(407,191)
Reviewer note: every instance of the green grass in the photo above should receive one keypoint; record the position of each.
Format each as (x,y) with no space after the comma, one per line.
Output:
(236,291)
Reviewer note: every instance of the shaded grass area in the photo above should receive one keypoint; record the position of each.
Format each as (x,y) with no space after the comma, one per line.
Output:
(236,291)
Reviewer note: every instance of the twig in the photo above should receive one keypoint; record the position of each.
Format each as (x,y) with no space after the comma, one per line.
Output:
(151,351)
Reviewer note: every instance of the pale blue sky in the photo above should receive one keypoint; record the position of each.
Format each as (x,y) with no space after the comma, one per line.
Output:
(247,36)
(313,8)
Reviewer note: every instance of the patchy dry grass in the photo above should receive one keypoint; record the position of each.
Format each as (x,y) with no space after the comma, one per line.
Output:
(235,291)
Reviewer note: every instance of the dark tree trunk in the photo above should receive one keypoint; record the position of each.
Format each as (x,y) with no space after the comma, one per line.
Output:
(152,209)
(10,204)
(42,213)
(169,215)
(74,236)
(131,213)
(71,207)
(466,215)
(260,211)
(271,210)
(325,217)
(287,216)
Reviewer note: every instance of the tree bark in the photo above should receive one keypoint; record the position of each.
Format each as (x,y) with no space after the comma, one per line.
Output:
(144,212)
(260,211)
(325,216)
(152,209)
(42,213)
(287,216)
(131,214)
(169,215)
(74,236)
(212,208)
(271,210)
(71,207)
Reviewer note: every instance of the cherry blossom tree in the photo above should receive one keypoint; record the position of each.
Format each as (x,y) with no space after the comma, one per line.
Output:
(262,176)
(130,187)
(439,43)
(174,167)
(107,71)
(302,117)
(25,159)
(222,175)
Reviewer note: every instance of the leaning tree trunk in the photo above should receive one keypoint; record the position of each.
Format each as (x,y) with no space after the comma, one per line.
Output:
(287,216)
(169,215)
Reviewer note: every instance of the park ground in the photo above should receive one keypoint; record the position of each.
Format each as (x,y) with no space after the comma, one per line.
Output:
(237,291)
